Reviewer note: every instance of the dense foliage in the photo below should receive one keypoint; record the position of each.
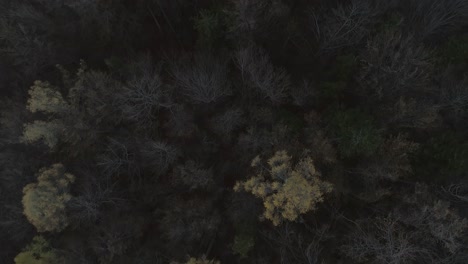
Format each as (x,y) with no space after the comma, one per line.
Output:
(234,131)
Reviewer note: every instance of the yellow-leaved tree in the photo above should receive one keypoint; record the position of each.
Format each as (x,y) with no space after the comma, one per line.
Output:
(69,118)
(44,202)
(47,100)
(287,190)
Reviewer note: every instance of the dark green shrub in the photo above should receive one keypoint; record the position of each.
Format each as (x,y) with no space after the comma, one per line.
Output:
(209,27)
(290,119)
(455,51)
(355,133)
(443,157)
(392,22)
(344,67)
(338,77)
(243,244)
(332,90)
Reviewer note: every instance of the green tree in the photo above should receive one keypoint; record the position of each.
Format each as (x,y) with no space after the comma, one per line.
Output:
(44,202)
(38,252)
(287,191)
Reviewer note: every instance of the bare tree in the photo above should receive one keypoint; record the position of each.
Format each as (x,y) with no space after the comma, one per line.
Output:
(411,113)
(185,222)
(453,93)
(394,65)
(86,208)
(392,161)
(225,123)
(440,227)
(253,18)
(12,118)
(117,159)
(115,235)
(193,175)
(429,18)
(445,225)
(344,26)
(456,192)
(94,95)
(259,73)
(13,221)
(144,93)
(304,93)
(296,245)
(24,33)
(384,241)
(181,122)
(158,156)
(453,96)
(202,79)
(321,147)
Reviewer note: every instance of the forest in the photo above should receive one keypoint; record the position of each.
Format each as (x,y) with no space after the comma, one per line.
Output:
(233,131)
